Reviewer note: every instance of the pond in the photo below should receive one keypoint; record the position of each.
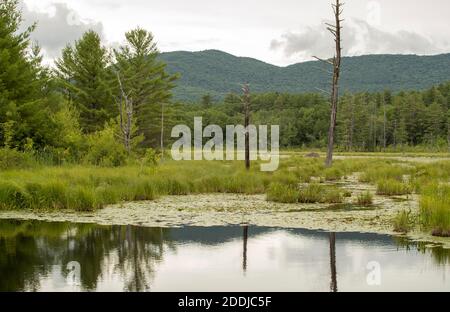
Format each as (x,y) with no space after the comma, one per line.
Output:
(42,256)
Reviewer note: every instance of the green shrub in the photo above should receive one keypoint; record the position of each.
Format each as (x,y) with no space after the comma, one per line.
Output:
(13,159)
(105,149)
(151,157)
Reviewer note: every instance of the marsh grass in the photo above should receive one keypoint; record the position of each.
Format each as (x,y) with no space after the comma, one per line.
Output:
(88,188)
(316,193)
(84,188)
(365,199)
(281,193)
(333,174)
(435,209)
(396,172)
(393,188)
(403,222)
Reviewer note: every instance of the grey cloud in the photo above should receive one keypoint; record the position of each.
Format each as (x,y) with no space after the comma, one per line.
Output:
(54,32)
(359,37)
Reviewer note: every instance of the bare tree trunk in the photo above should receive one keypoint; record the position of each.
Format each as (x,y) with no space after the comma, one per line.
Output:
(352,129)
(246,101)
(125,128)
(336,63)
(162,131)
(384,125)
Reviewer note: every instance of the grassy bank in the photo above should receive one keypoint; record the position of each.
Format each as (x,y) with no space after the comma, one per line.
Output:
(298,180)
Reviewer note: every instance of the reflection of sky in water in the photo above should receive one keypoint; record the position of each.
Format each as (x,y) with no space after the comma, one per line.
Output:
(211,259)
(285,261)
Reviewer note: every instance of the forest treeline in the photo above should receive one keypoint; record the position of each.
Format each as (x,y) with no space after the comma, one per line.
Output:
(366,121)
(102,106)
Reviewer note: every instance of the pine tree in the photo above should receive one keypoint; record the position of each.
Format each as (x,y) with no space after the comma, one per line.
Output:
(83,73)
(146,80)
(24,112)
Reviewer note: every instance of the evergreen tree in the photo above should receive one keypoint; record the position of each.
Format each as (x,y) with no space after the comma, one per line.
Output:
(206,101)
(84,75)
(24,111)
(146,81)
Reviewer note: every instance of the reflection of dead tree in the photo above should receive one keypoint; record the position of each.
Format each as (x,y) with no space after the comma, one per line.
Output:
(335,30)
(333,284)
(246,101)
(244,256)
(125,106)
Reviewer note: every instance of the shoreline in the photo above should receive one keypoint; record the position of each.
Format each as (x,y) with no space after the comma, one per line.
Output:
(232,209)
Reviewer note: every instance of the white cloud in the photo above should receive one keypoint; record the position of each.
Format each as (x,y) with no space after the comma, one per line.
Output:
(57,25)
(359,37)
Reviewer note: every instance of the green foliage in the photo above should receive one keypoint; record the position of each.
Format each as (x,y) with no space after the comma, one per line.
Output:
(83,73)
(24,109)
(151,157)
(104,148)
(11,159)
(145,81)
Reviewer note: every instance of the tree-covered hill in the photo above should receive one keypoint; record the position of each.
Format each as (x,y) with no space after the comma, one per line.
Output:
(218,73)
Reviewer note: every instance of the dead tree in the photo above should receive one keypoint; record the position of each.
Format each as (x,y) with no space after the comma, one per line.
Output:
(246,102)
(335,30)
(125,106)
(162,131)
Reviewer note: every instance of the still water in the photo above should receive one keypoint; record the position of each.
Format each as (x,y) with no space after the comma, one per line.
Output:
(40,256)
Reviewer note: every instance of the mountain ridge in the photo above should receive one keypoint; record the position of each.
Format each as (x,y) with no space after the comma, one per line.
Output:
(218,73)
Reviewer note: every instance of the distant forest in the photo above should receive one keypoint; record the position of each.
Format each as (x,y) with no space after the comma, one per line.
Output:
(217,73)
(366,121)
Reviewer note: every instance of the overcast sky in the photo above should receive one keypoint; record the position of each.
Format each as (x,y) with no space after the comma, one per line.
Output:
(280,32)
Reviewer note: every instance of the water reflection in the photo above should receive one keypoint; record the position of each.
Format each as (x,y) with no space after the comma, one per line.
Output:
(244,255)
(333,284)
(34,256)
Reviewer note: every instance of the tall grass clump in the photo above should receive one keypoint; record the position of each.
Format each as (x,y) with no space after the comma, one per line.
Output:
(333,174)
(316,193)
(281,193)
(49,194)
(403,222)
(393,188)
(435,209)
(372,174)
(311,194)
(12,196)
(364,199)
